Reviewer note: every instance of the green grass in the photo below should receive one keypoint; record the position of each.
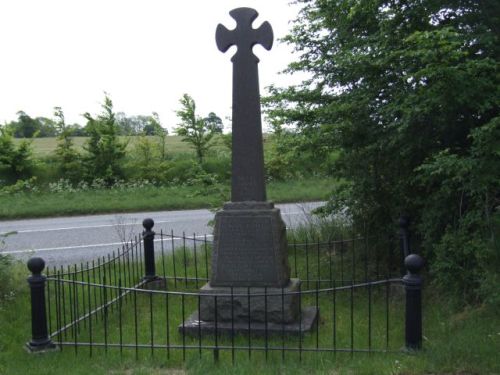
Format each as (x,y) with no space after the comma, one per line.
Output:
(454,343)
(46,146)
(43,204)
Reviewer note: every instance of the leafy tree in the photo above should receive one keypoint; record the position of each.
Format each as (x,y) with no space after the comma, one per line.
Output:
(47,127)
(214,122)
(405,91)
(67,157)
(105,152)
(16,159)
(25,126)
(194,129)
(154,128)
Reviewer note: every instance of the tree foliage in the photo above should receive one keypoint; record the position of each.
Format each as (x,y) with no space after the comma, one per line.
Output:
(17,159)
(68,158)
(105,151)
(408,92)
(194,129)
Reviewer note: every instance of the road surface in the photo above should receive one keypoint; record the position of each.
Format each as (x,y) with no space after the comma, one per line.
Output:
(77,239)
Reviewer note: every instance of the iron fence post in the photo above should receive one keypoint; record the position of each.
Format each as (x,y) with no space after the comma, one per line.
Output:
(40,340)
(148,237)
(413,287)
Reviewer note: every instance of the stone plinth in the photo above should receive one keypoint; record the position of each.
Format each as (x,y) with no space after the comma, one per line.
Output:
(278,305)
(194,327)
(250,248)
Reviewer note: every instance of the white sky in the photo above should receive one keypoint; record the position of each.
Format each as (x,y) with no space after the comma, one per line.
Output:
(144,53)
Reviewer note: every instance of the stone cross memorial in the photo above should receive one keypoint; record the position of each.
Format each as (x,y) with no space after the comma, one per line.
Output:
(250,271)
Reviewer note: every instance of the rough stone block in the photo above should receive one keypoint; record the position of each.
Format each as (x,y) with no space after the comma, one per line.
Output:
(278,305)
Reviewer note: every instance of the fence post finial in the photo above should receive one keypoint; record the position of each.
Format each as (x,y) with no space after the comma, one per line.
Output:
(413,286)
(40,340)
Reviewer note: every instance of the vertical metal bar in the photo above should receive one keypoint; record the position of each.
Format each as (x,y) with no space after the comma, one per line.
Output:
(184,257)
(120,317)
(77,299)
(100,280)
(195,260)
(105,295)
(317,309)
(199,325)
(283,324)
(342,260)
(295,256)
(366,253)
(75,304)
(151,322)
(115,282)
(183,328)
(136,326)
(138,260)
(370,317)
(353,270)
(83,295)
(90,317)
(163,256)
(300,323)
(249,324)
(71,302)
(387,315)
(63,303)
(95,291)
(206,255)
(167,324)
(49,302)
(307,263)
(318,260)
(216,338)
(334,318)
(266,323)
(232,325)
(352,317)
(173,257)
(330,260)
(58,308)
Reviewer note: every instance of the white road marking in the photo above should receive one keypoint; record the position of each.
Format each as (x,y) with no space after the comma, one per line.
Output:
(86,246)
(116,225)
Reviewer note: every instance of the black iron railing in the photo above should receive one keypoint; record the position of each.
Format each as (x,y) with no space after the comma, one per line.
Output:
(140,296)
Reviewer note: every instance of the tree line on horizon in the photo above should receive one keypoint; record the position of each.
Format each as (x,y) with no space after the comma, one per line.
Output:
(26,126)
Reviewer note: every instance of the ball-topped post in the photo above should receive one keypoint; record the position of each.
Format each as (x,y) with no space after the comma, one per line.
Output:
(40,340)
(148,237)
(413,286)
(36,265)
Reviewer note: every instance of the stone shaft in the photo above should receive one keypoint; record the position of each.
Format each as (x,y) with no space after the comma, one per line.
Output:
(248,183)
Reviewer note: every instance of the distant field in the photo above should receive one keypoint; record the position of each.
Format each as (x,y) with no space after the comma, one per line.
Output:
(46,146)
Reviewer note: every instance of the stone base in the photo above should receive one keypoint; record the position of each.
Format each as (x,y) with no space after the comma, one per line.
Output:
(250,247)
(281,305)
(193,326)
(49,346)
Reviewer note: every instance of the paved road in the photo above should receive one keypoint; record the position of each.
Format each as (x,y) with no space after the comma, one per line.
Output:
(68,240)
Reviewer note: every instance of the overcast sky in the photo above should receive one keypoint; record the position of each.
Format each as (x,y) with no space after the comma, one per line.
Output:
(144,53)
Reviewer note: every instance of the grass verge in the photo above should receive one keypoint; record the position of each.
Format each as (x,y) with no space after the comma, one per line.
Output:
(455,343)
(44,204)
